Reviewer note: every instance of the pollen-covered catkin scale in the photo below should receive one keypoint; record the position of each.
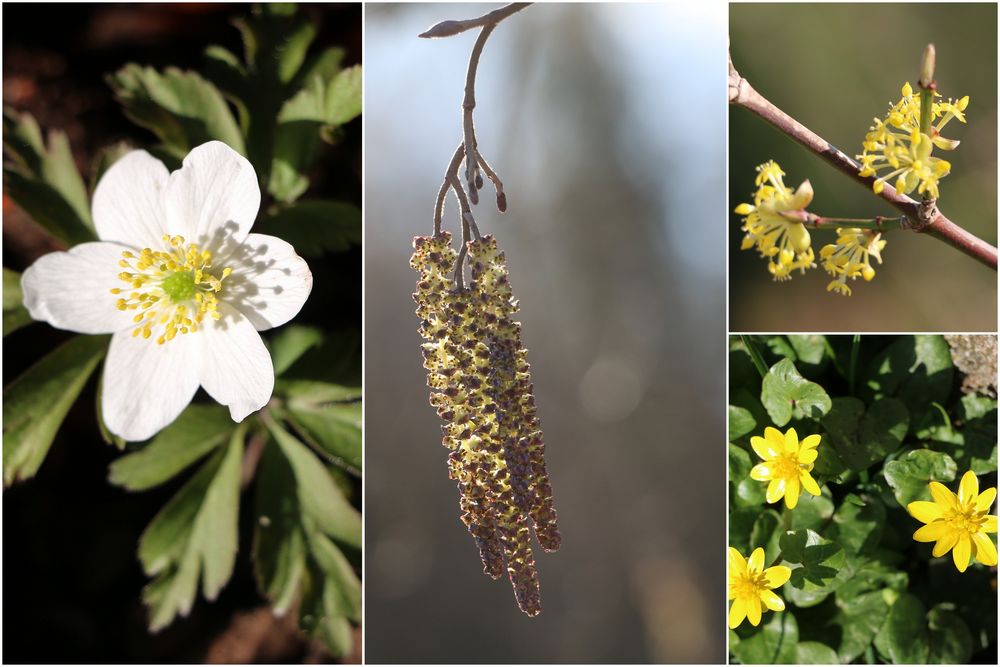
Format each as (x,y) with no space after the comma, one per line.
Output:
(481,387)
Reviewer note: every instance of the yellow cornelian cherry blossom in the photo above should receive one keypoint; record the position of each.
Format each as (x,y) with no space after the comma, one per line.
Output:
(787,464)
(771,226)
(751,587)
(850,257)
(180,283)
(959,524)
(898,144)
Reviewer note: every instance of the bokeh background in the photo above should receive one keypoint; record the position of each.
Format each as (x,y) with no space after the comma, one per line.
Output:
(834,67)
(606,123)
(71,578)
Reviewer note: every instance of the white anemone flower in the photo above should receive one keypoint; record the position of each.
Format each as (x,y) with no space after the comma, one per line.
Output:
(180,282)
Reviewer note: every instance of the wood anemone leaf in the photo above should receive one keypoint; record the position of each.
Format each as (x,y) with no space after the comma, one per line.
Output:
(315,227)
(15,315)
(786,394)
(43,179)
(317,493)
(36,403)
(180,107)
(194,536)
(198,430)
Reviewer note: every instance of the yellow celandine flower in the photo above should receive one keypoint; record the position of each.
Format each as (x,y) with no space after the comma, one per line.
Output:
(897,143)
(787,463)
(850,257)
(779,238)
(751,586)
(958,523)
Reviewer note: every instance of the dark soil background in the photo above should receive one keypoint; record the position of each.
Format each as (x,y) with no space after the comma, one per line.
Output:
(72,582)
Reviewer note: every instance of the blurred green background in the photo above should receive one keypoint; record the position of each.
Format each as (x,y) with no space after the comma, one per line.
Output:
(834,67)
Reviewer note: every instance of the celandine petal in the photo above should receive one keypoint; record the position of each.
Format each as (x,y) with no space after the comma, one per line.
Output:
(775,490)
(763,447)
(945,543)
(72,290)
(810,442)
(990,525)
(924,511)
(932,532)
(808,455)
(269,283)
(737,563)
(147,385)
(791,440)
(772,601)
(777,575)
(809,484)
(985,499)
(942,495)
(762,472)
(212,200)
(962,552)
(792,493)
(968,488)
(756,562)
(236,368)
(753,611)
(986,551)
(128,205)
(737,613)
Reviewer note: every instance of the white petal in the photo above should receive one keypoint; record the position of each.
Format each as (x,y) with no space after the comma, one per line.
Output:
(269,284)
(72,290)
(236,368)
(212,200)
(128,203)
(147,385)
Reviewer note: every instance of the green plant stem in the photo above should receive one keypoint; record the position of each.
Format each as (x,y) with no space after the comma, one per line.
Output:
(755,356)
(852,373)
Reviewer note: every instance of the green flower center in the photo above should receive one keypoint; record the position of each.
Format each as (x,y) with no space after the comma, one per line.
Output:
(179,286)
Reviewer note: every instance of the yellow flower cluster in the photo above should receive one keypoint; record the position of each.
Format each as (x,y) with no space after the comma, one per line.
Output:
(481,386)
(779,237)
(897,143)
(850,257)
(774,225)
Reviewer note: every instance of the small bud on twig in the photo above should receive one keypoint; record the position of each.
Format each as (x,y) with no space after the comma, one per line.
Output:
(927,63)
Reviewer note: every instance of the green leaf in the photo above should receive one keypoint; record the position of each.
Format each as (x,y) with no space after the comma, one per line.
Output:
(812,511)
(741,422)
(916,369)
(950,641)
(36,403)
(15,315)
(739,464)
(750,493)
(316,227)
(822,566)
(194,536)
(903,639)
(44,181)
(909,475)
(317,493)
(814,653)
(858,528)
(334,429)
(765,534)
(321,105)
(279,549)
(859,620)
(775,643)
(786,394)
(810,349)
(862,438)
(180,107)
(292,342)
(198,430)
(342,587)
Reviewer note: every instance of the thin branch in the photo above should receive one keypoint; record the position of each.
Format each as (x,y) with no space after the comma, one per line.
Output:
(449,28)
(468,106)
(925,215)
(453,166)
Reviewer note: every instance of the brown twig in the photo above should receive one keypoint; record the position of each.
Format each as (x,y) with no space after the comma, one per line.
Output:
(449,28)
(468,152)
(925,216)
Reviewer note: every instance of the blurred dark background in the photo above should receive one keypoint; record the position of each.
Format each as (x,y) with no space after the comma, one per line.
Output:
(606,123)
(71,579)
(834,67)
